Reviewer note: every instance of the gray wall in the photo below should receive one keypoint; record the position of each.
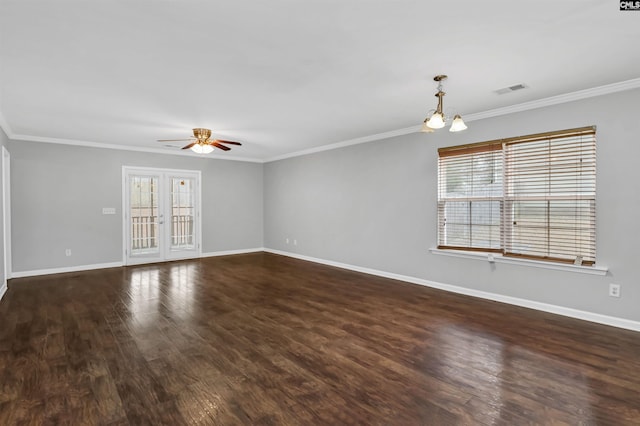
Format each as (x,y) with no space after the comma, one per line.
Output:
(373,205)
(58,192)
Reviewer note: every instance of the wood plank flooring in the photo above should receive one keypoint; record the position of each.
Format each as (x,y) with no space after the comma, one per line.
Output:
(263,339)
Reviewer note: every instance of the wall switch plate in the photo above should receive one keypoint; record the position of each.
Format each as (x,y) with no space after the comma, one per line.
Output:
(614,290)
(108,210)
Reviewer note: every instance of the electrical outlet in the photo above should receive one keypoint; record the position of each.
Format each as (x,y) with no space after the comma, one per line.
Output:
(295,242)
(67,252)
(614,290)
(287,240)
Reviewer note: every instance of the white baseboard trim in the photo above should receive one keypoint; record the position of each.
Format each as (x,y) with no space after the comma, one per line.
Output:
(37,272)
(230,252)
(22,274)
(3,289)
(545,307)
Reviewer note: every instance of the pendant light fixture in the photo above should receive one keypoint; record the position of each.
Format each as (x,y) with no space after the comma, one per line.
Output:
(436,119)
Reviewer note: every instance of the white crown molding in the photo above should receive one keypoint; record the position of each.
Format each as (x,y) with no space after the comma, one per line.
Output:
(89,144)
(356,141)
(526,106)
(556,100)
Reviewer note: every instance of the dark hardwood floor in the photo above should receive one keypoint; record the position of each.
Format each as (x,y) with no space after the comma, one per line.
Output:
(265,339)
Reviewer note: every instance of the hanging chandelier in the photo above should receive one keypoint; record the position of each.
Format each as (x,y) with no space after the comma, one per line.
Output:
(436,119)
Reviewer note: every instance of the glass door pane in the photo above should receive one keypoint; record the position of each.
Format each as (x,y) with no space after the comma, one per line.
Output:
(144,215)
(182,205)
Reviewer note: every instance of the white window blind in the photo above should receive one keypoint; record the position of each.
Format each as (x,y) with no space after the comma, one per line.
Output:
(471,199)
(531,196)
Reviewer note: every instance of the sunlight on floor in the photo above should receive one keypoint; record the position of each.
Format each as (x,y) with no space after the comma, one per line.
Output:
(144,297)
(502,370)
(181,290)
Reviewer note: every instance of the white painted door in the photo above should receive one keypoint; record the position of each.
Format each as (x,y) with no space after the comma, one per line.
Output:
(162,215)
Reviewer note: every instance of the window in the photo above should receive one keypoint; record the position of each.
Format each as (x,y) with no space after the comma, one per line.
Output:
(531,196)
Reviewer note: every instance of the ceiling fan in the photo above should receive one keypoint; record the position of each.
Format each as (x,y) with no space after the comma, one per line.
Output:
(201,142)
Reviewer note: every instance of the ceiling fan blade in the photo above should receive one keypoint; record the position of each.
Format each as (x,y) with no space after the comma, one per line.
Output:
(174,140)
(189,146)
(222,147)
(228,142)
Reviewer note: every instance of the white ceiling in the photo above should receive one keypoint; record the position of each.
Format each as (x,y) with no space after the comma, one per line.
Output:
(285,76)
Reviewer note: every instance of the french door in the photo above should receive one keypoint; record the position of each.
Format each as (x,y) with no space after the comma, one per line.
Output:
(161,215)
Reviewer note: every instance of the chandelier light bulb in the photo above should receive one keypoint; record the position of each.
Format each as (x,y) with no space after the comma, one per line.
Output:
(436,121)
(458,124)
(425,128)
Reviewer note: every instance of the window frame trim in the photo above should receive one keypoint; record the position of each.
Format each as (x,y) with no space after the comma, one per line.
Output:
(500,145)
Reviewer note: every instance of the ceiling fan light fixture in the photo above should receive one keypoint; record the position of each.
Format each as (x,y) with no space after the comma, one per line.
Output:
(458,124)
(201,148)
(201,142)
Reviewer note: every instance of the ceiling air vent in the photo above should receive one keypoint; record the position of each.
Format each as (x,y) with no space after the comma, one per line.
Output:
(511,89)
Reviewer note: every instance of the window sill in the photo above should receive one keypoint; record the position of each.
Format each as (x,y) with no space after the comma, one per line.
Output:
(498,258)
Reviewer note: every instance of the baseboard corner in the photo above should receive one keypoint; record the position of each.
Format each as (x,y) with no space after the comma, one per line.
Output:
(3,289)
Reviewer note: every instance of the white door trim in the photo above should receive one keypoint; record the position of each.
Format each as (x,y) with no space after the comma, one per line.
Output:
(6,210)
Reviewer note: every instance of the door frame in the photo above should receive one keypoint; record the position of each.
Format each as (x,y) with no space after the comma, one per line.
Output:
(125,224)
(6,210)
